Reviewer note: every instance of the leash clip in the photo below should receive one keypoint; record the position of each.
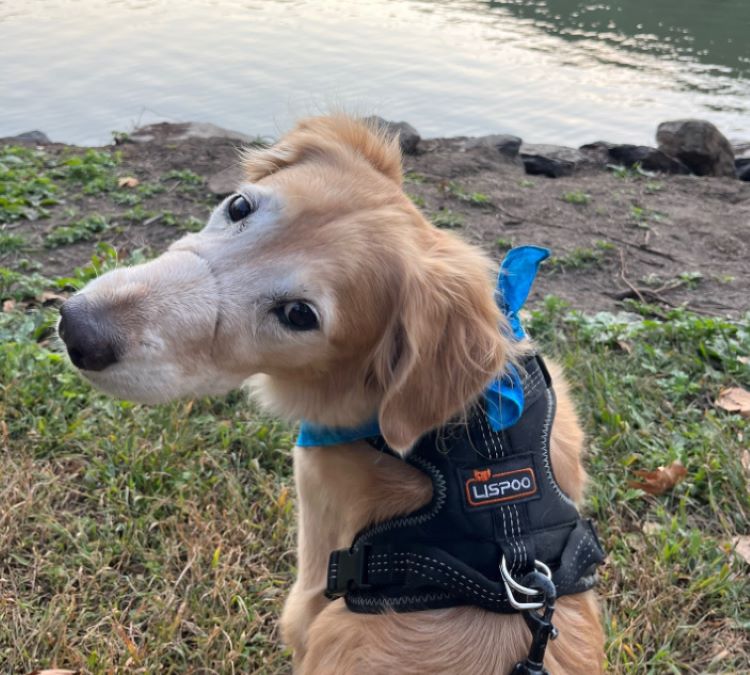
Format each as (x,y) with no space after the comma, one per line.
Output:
(539,623)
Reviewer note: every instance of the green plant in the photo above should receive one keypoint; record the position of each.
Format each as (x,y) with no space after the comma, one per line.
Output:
(417,200)
(81,230)
(26,191)
(576,197)
(10,242)
(447,219)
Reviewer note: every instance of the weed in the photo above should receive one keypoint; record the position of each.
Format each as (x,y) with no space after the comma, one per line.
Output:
(652,187)
(414,177)
(16,285)
(82,230)
(10,242)
(581,258)
(26,191)
(93,170)
(526,183)
(691,279)
(417,200)
(184,176)
(473,198)
(192,224)
(137,215)
(576,197)
(448,219)
(503,244)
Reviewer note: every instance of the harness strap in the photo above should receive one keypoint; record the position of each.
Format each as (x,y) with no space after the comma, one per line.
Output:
(416,576)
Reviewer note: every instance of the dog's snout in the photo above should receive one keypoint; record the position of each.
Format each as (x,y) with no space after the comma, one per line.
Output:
(86,335)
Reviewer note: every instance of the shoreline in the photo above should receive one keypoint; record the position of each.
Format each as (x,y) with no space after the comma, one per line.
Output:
(619,228)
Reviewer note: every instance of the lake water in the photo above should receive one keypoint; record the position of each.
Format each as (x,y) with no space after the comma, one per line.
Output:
(560,71)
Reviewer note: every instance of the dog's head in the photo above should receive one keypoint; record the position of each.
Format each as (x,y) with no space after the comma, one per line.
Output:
(318,276)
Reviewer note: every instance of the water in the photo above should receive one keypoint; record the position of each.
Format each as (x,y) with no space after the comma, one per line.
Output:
(559,71)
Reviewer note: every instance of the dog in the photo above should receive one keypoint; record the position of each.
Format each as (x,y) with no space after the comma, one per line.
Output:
(321,284)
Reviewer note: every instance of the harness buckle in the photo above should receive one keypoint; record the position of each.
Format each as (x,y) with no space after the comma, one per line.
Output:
(347,571)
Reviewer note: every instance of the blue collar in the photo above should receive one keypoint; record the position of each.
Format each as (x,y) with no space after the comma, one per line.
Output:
(504,395)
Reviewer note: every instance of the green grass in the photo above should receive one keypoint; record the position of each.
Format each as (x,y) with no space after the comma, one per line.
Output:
(576,197)
(448,219)
(582,257)
(10,242)
(160,539)
(81,230)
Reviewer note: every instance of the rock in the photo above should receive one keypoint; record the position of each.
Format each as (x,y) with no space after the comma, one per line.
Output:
(226,181)
(169,132)
(699,145)
(31,137)
(646,157)
(408,136)
(552,161)
(743,172)
(505,144)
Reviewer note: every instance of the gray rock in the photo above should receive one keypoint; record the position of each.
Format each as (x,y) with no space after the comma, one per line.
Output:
(743,171)
(552,161)
(168,132)
(505,144)
(627,155)
(408,136)
(699,145)
(35,137)
(226,181)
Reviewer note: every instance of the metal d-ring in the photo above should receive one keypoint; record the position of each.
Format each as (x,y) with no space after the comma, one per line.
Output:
(511,583)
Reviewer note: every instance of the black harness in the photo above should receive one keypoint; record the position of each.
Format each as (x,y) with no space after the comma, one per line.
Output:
(497,531)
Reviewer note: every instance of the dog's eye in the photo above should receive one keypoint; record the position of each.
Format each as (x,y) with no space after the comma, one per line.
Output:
(240,208)
(297,315)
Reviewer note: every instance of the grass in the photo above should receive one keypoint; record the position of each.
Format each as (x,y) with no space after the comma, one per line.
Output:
(582,257)
(576,197)
(81,230)
(160,539)
(448,219)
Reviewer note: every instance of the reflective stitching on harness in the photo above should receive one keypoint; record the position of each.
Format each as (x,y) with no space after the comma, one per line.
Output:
(397,601)
(438,500)
(452,571)
(546,450)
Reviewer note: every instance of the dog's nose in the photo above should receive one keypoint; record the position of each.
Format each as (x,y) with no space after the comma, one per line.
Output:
(86,335)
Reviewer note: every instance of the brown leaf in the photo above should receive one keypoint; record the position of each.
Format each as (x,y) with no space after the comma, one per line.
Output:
(128,182)
(626,346)
(660,480)
(745,360)
(734,399)
(745,460)
(742,547)
(54,671)
(48,297)
(9,305)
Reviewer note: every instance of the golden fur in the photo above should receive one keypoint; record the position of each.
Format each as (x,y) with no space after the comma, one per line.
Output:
(409,331)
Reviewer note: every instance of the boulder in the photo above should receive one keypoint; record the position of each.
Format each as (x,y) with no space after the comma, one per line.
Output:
(628,155)
(552,161)
(169,132)
(699,145)
(226,181)
(31,137)
(408,136)
(505,144)
(743,171)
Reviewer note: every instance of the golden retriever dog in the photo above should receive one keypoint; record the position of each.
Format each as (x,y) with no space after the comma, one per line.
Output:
(321,284)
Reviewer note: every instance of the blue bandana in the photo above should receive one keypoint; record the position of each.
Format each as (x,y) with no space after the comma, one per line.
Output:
(504,396)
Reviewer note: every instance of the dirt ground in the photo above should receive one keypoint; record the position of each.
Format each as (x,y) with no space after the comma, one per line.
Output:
(614,234)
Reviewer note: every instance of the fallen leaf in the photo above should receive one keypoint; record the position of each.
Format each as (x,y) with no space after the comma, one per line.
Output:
(745,460)
(660,480)
(626,346)
(9,305)
(742,547)
(734,399)
(282,498)
(49,297)
(128,182)
(54,671)
(649,528)
(744,359)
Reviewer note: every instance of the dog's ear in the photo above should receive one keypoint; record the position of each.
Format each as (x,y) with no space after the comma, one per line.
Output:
(332,138)
(446,342)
